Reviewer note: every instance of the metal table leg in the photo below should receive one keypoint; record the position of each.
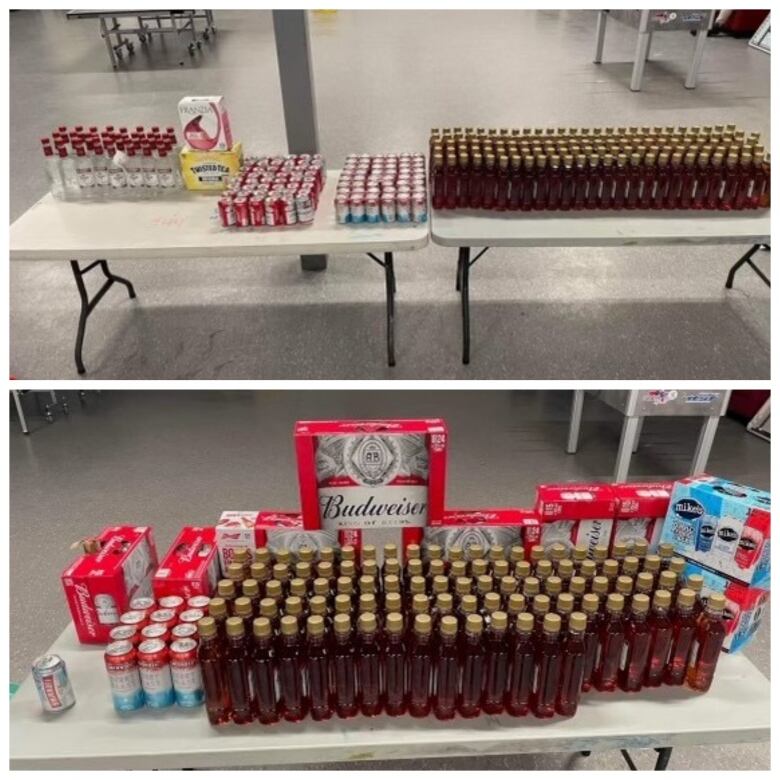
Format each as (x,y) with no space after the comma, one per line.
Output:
(601,28)
(575,421)
(390,290)
(640,56)
(709,428)
(106,36)
(748,258)
(20,411)
(698,53)
(627,439)
(465,264)
(638,434)
(87,305)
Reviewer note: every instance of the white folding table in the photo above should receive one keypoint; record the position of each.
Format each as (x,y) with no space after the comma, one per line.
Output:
(186,225)
(473,228)
(92,735)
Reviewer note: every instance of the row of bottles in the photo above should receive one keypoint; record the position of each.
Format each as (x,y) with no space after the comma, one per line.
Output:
(113,163)
(636,168)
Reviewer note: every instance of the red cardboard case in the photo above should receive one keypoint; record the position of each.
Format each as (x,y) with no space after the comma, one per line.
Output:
(190,567)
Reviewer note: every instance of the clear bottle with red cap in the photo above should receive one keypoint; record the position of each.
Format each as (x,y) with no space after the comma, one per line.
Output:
(53,170)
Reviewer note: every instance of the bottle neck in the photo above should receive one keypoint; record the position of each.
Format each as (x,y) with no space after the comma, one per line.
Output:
(263,642)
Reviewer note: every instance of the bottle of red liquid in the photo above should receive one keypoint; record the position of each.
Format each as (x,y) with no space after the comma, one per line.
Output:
(683,633)
(529,183)
(652,566)
(269,610)
(212,669)
(621,183)
(437,182)
(715,182)
(368,663)
(218,610)
(591,638)
(744,181)
(638,640)
(490,182)
(447,669)
(515,182)
(703,171)
(540,606)
(595,173)
(764,197)
(634,186)
(542,195)
(502,184)
(420,667)
(395,665)
(263,676)
(580,182)
(290,655)
(661,188)
(473,665)
(567,183)
(522,668)
(496,663)
(464,175)
(476,182)
(555,178)
(649,179)
(451,178)
(730,183)
(344,670)
(251,589)
(317,668)
(675,181)
(688,185)
(572,665)
(606,195)
(466,607)
(661,628)
(611,640)
(442,607)
(237,671)
(548,660)
(243,608)
(710,633)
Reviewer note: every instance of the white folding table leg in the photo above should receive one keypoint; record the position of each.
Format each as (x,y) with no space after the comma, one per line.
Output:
(706,437)
(601,28)
(19,410)
(649,44)
(640,55)
(627,439)
(578,398)
(698,53)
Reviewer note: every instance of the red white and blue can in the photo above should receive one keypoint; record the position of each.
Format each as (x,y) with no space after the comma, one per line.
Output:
(198,602)
(123,676)
(155,669)
(185,631)
(51,679)
(166,617)
(342,209)
(176,603)
(155,631)
(185,672)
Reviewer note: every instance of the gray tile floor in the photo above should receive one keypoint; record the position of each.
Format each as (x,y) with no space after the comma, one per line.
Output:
(173,458)
(383,79)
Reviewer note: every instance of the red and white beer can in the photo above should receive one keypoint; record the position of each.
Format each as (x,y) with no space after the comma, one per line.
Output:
(185,673)
(257,210)
(165,617)
(357,208)
(342,209)
(134,618)
(191,615)
(270,211)
(371,206)
(185,631)
(155,670)
(51,679)
(124,678)
(387,207)
(241,205)
(227,214)
(176,603)
(198,602)
(144,604)
(403,207)
(125,634)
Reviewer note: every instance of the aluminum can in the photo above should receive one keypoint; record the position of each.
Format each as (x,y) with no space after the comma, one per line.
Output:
(227,214)
(191,615)
(125,634)
(403,210)
(185,673)
(198,602)
(304,206)
(257,210)
(288,208)
(143,604)
(419,208)
(372,207)
(342,209)
(166,617)
(124,678)
(185,631)
(134,618)
(387,208)
(176,603)
(155,631)
(241,205)
(155,672)
(51,679)
(271,217)
(357,208)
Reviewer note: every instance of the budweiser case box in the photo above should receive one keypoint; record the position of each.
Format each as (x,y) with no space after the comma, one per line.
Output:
(723,526)
(205,123)
(640,509)
(190,567)
(273,529)
(744,605)
(486,527)
(371,475)
(100,585)
(572,514)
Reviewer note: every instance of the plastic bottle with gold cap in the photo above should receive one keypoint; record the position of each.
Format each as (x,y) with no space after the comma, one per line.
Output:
(540,607)
(263,673)
(572,665)
(694,582)
(473,667)
(446,668)
(638,638)
(251,589)
(522,666)
(644,583)
(531,588)
(369,665)
(611,644)
(716,172)
(660,637)
(270,610)
(522,570)
(317,668)
(212,669)
(683,635)
(564,606)
(294,606)
(242,608)
(395,664)
(218,611)
(298,588)
(263,555)
(543,569)
(420,666)
(577,588)
(579,553)
(235,573)
(549,658)
(630,566)
(260,572)
(345,696)
(592,638)
(237,671)
(710,635)
(553,586)
(226,590)
(496,662)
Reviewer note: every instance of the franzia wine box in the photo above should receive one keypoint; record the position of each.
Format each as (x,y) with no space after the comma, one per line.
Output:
(486,527)
(573,514)
(100,585)
(723,526)
(273,529)
(190,567)
(744,605)
(371,475)
(640,509)
(205,123)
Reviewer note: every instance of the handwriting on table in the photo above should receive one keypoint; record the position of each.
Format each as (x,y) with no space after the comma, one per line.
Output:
(171,220)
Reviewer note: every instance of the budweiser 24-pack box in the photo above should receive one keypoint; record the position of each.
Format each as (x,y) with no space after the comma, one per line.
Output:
(371,475)
(190,567)
(100,584)
(640,509)
(275,529)
(573,514)
(486,527)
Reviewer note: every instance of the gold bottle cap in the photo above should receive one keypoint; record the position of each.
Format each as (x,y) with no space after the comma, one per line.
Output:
(652,563)
(242,606)
(261,627)
(262,555)
(250,588)
(492,602)
(273,588)
(577,585)
(479,567)
(298,587)
(667,580)
(306,554)
(234,626)
(615,602)
(448,625)
(327,554)
(367,583)
(644,581)
(371,567)
(392,584)
(622,160)
(581,159)
(235,572)
(393,602)
(525,622)
(389,550)
(630,565)
(293,606)
(318,605)
(508,585)
(716,602)
(568,162)
(565,568)
(474,624)
(281,572)
(414,566)
(484,583)
(394,623)
(624,585)
(342,603)
(580,552)
(552,623)
(207,627)
(555,161)
(462,586)
(531,586)
(367,602)
(303,570)
(417,584)
(458,569)
(564,603)
(516,603)
(367,623)
(226,589)
(283,555)
(522,569)
(590,603)
(611,567)
(289,625)
(315,625)
(468,604)
(541,603)
(344,585)
(451,159)
(392,566)
(368,553)
(578,621)
(640,603)
(499,620)
(600,585)
(537,553)
(553,585)
(325,569)
(456,554)
(588,569)
(662,599)
(422,624)
(544,568)
(444,602)
(436,567)
(440,584)
(259,571)
(268,608)
(347,553)
(342,624)
(420,603)
(694,582)
(500,568)
(217,607)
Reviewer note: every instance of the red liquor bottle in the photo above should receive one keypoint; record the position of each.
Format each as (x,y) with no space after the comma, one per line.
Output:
(263,676)
(637,650)
(275,591)
(451,182)
(490,182)
(594,184)
(251,589)
(540,606)
(476,181)
(212,669)
(269,610)
(572,665)
(564,607)
(502,184)
(730,183)
(577,589)
(441,607)
(625,587)
(344,668)
(496,663)
(621,183)
(420,666)
(567,183)
(634,185)
(649,178)
(369,675)
(542,183)
(292,700)
(610,569)
(447,669)
(662,179)
(237,671)
(590,607)
(695,582)
(660,638)
(580,182)
(464,175)
(548,659)
(652,566)
(715,183)
(515,184)
(675,181)
(744,181)
(703,170)
(611,642)
(688,185)
(523,666)
(556,183)
(466,608)
(484,586)
(765,196)
(710,633)
(317,665)
(473,665)
(607,182)
(395,665)
(243,607)
(683,632)
(529,183)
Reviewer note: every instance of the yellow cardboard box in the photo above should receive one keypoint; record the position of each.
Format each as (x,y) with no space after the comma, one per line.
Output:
(209,170)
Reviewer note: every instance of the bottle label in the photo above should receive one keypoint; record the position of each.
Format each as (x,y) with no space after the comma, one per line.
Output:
(157,685)
(86,179)
(150,178)
(166,177)
(126,689)
(101,177)
(117,178)
(135,178)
